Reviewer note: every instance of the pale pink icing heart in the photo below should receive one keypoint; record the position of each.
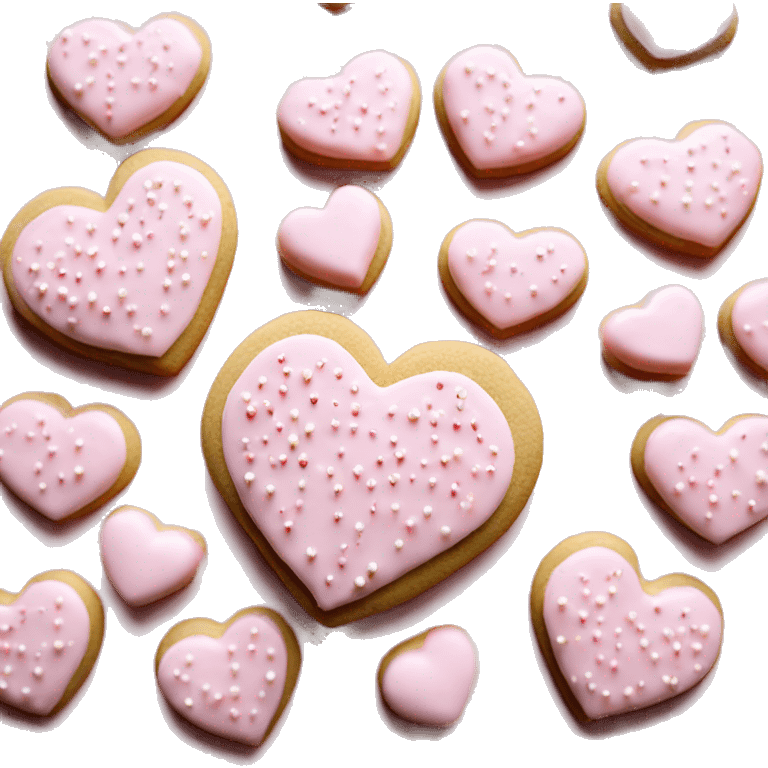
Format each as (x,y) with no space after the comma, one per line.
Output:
(360,114)
(749,320)
(230,686)
(510,280)
(131,278)
(431,685)
(145,564)
(502,118)
(698,188)
(354,485)
(618,647)
(44,635)
(337,243)
(662,336)
(118,80)
(59,465)
(716,484)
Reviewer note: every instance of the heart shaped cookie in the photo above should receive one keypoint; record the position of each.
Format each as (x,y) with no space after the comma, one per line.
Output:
(146,560)
(613,641)
(715,483)
(428,678)
(691,194)
(232,679)
(63,461)
(499,122)
(363,483)
(509,282)
(125,82)
(50,637)
(743,325)
(343,245)
(133,278)
(658,338)
(363,118)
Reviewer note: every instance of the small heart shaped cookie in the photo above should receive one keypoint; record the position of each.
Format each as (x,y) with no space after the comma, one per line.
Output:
(133,278)
(613,641)
(232,679)
(743,325)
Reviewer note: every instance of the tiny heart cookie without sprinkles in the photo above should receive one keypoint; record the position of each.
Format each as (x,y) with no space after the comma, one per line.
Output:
(363,118)
(613,641)
(715,483)
(50,637)
(233,679)
(125,82)
(363,484)
(499,122)
(691,194)
(63,461)
(343,245)
(133,278)
(510,282)
(743,325)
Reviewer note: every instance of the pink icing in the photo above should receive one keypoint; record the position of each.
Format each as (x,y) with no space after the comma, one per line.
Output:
(229,686)
(44,635)
(716,484)
(58,465)
(118,80)
(509,279)
(145,564)
(749,319)
(354,485)
(129,279)
(697,189)
(502,118)
(619,648)
(431,685)
(359,114)
(336,243)
(662,336)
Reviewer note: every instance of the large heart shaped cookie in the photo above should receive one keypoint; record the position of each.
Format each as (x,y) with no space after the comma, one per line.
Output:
(133,278)
(511,282)
(364,484)
(743,325)
(127,83)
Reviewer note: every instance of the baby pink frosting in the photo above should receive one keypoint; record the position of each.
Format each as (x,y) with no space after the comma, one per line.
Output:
(58,465)
(619,648)
(509,279)
(129,279)
(229,686)
(661,336)
(716,484)
(336,243)
(431,685)
(145,564)
(749,319)
(502,118)
(354,485)
(359,114)
(698,188)
(120,80)
(44,635)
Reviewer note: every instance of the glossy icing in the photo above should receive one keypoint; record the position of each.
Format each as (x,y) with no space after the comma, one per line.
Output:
(59,465)
(431,685)
(698,188)
(749,320)
(716,484)
(230,686)
(502,118)
(145,564)
(619,648)
(354,485)
(131,278)
(336,243)
(359,114)
(510,280)
(44,636)
(120,80)
(662,336)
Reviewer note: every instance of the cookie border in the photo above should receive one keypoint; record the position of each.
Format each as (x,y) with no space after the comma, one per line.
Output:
(728,337)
